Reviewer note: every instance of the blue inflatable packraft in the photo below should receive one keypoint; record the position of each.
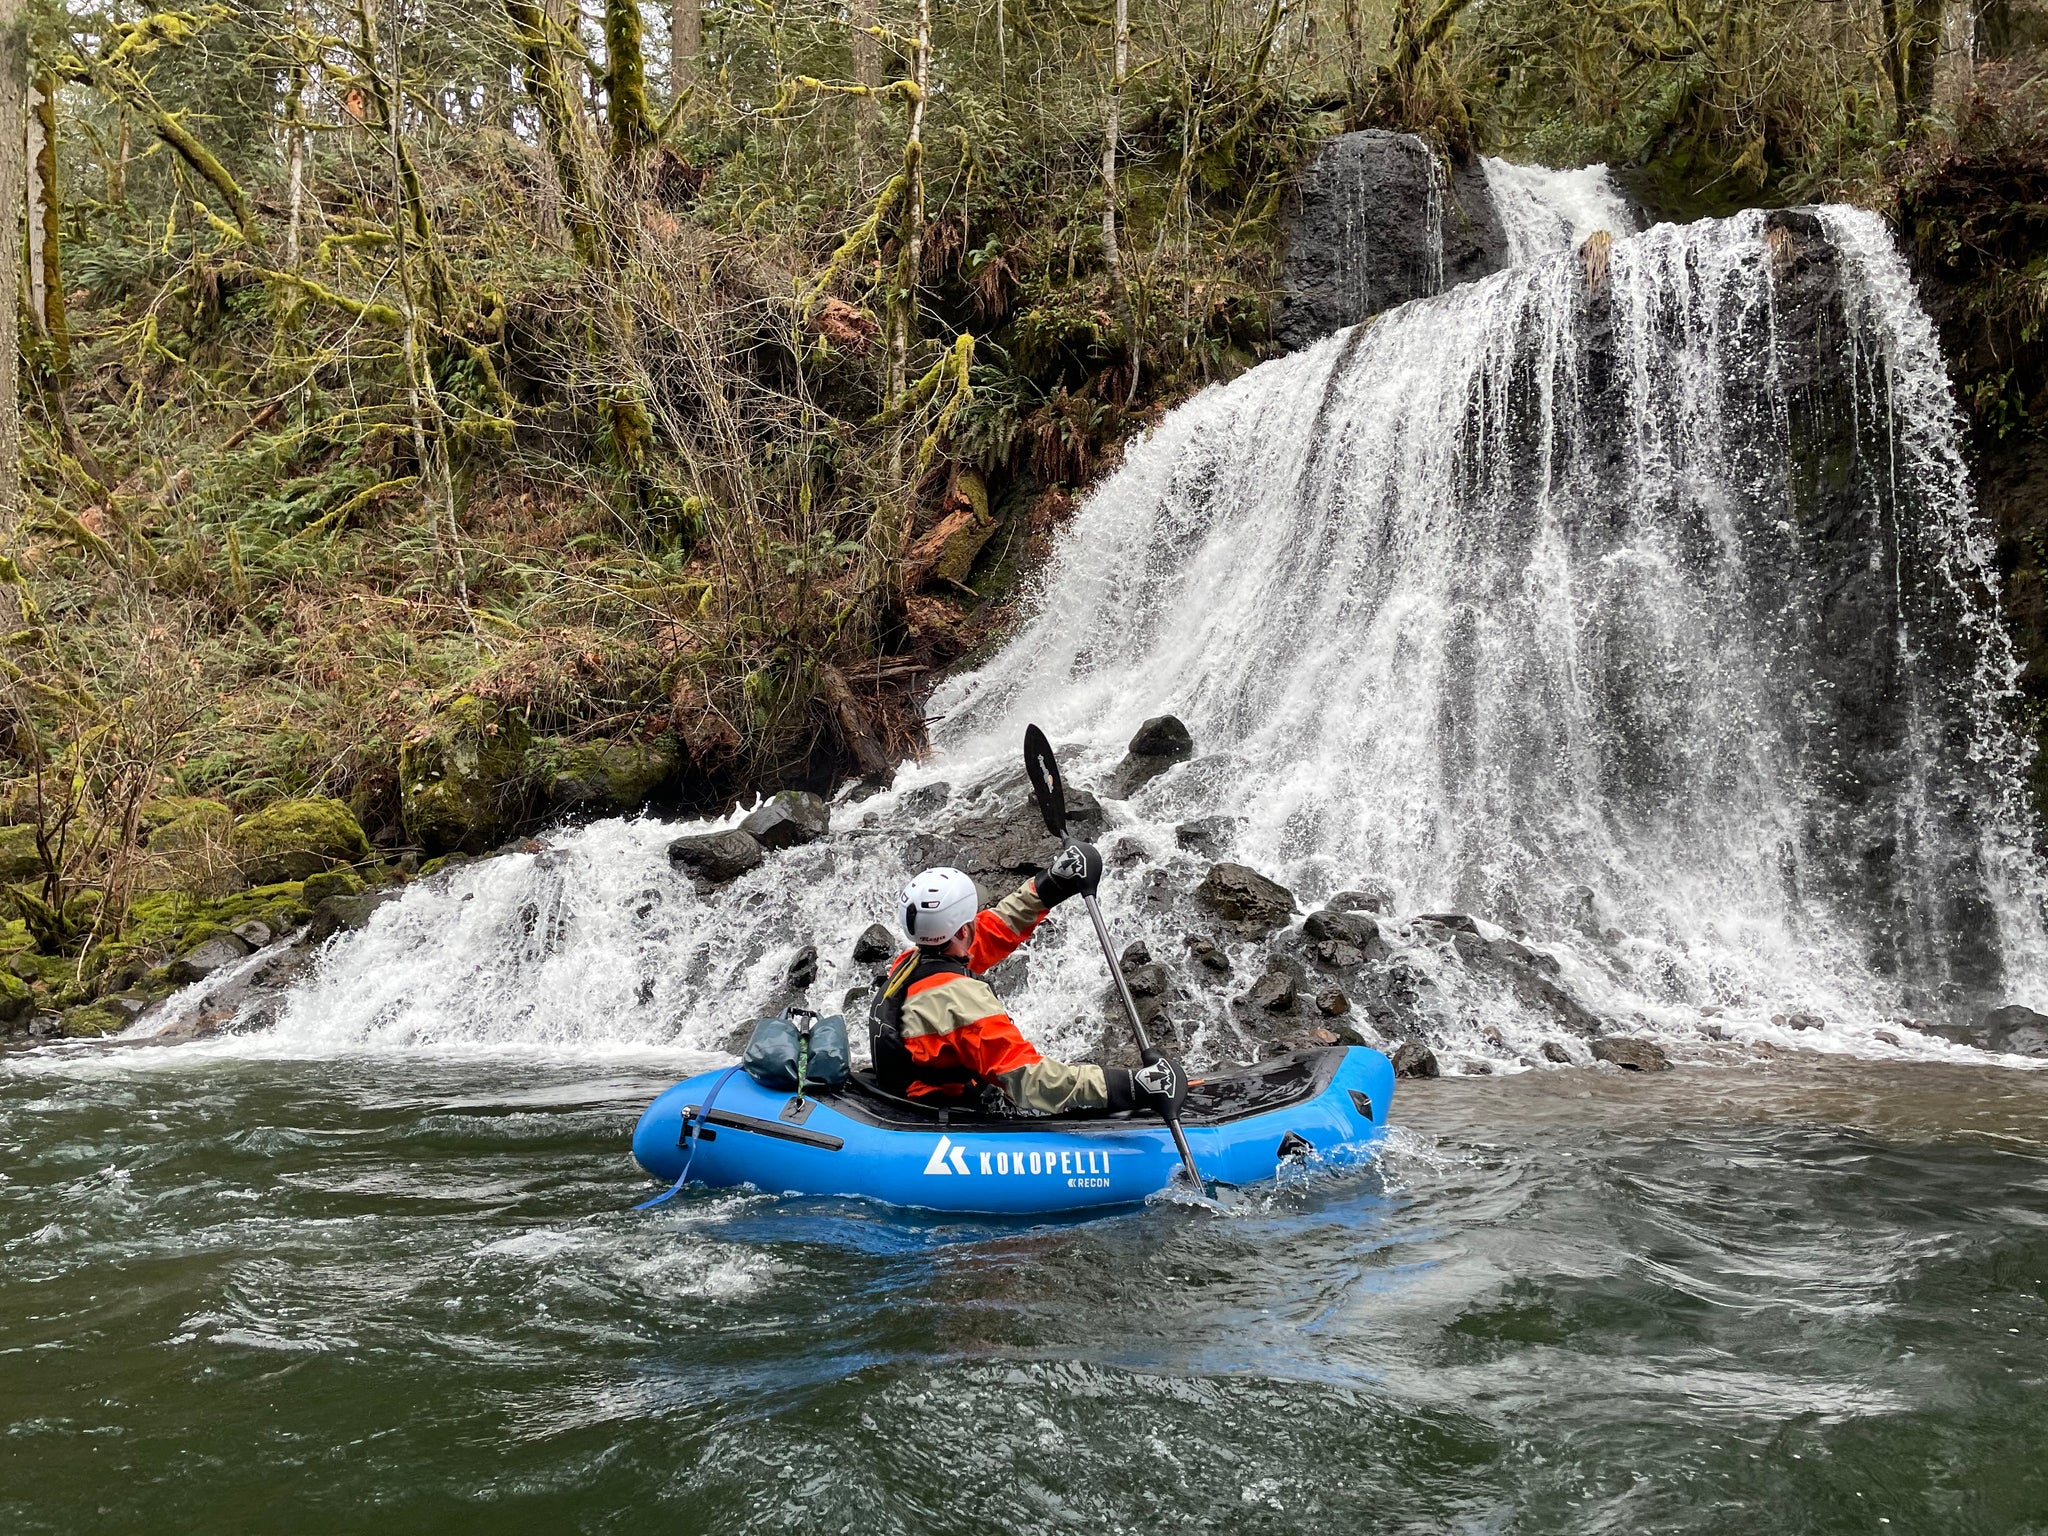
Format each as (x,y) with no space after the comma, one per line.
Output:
(1243,1126)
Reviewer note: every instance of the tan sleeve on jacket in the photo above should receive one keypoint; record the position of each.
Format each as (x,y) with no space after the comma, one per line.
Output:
(1052,1086)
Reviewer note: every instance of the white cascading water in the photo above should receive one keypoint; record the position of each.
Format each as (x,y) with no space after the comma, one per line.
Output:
(1504,599)
(1543,211)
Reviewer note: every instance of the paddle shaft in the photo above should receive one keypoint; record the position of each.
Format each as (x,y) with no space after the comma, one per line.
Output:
(1123,990)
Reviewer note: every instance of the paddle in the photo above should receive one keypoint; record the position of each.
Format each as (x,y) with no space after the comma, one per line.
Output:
(1051,791)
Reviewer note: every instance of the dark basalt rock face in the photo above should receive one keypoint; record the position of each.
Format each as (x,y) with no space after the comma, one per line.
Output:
(788,819)
(874,944)
(1001,839)
(716,857)
(1246,899)
(1363,233)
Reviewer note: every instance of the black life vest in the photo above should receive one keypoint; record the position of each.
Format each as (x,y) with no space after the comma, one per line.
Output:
(895,1071)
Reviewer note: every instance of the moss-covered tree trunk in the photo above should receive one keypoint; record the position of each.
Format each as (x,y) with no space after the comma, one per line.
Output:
(1112,253)
(559,122)
(625,89)
(910,263)
(13,145)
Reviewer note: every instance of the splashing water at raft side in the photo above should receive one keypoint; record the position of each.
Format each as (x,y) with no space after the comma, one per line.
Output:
(1639,610)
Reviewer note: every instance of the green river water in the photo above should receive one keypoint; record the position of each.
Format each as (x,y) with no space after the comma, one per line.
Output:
(403,1293)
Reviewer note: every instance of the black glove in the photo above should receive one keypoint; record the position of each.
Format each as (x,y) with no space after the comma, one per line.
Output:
(1161,1085)
(1076,872)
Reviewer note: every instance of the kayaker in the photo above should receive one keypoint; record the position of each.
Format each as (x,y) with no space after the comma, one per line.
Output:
(940,1032)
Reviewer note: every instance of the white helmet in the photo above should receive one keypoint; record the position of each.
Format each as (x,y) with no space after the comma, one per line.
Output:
(938,904)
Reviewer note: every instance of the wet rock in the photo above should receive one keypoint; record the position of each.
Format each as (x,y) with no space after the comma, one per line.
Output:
(1160,743)
(1337,955)
(2016,1031)
(462,776)
(924,800)
(255,933)
(297,838)
(1210,836)
(341,914)
(1148,980)
(788,819)
(1451,922)
(1002,847)
(1332,1003)
(875,943)
(1362,232)
(1274,992)
(1136,953)
(1357,930)
(1476,950)
(1552,1051)
(716,857)
(1207,953)
(1245,899)
(1414,1059)
(203,959)
(44,1026)
(1372,896)
(1630,1054)
(336,882)
(1163,736)
(803,967)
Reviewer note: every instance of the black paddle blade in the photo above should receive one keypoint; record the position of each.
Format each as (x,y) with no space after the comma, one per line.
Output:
(1046,783)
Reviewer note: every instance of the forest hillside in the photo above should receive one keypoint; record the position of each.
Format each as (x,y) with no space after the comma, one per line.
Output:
(427,420)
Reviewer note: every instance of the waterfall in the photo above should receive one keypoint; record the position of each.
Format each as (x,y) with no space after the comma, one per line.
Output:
(1543,211)
(1642,611)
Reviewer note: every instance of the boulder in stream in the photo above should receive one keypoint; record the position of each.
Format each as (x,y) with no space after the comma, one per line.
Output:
(1631,1054)
(716,857)
(1161,742)
(1414,1059)
(206,957)
(1245,899)
(875,944)
(788,819)
(1274,992)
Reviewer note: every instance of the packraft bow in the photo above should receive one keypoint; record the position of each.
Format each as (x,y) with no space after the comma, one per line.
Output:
(1244,1126)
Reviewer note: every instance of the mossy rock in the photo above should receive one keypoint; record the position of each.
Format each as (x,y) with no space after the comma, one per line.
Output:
(50,970)
(173,921)
(157,817)
(18,857)
(462,776)
(605,775)
(17,999)
(336,882)
(297,838)
(15,937)
(92,1021)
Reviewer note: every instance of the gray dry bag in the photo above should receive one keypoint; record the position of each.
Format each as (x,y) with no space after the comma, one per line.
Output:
(798,1043)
